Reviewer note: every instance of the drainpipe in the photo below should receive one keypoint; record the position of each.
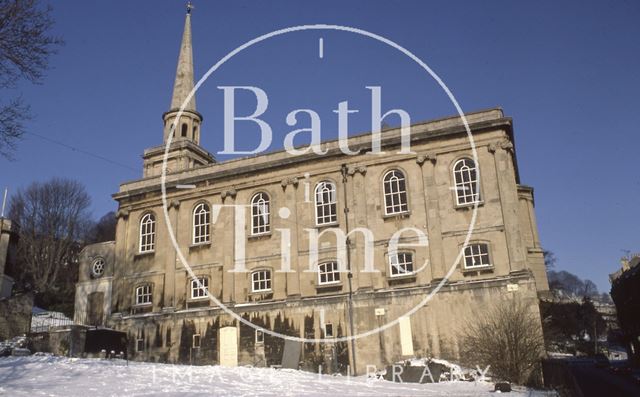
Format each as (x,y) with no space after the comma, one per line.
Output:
(343,169)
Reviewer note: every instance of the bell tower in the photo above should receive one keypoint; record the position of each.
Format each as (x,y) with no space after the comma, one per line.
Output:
(185,151)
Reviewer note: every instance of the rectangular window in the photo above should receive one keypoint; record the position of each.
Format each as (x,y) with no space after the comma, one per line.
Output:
(196,291)
(401,264)
(261,281)
(196,341)
(139,345)
(328,273)
(259,337)
(476,255)
(143,295)
(328,330)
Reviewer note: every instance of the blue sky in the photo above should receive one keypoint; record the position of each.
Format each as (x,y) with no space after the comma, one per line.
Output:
(567,72)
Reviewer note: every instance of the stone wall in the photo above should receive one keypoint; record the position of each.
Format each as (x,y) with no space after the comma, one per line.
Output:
(8,246)
(15,315)
(66,341)
(434,329)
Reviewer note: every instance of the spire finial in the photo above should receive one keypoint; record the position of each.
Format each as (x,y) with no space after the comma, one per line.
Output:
(189,7)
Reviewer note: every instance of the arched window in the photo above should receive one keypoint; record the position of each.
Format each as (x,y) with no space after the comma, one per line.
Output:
(395,193)
(328,273)
(261,281)
(476,255)
(144,294)
(184,129)
(326,210)
(147,233)
(201,224)
(260,211)
(465,176)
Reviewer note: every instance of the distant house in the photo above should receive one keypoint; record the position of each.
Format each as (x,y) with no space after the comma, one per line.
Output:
(625,292)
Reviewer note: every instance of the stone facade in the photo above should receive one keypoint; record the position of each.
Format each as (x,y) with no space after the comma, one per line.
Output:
(625,292)
(171,324)
(8,246)
(15,315)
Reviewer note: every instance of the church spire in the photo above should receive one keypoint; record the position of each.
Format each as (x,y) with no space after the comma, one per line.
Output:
(185,152)
(184,72)
(188,127)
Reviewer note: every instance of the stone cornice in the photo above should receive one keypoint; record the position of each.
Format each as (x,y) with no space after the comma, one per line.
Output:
(179,143)
(421,133)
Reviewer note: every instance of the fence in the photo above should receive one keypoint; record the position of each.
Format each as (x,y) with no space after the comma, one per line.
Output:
(47,321)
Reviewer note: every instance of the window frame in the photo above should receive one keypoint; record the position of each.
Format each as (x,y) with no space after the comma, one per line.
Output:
(95,262)
(147,237)
(138,341)
(194,287)
(479,254)
(403,264)
(268,281)
(399,195)
(326,333)
(460,188)
(138,294)
(329,209)
(264,228)
(259,337)
(335,273)
(194,338)
(201,228)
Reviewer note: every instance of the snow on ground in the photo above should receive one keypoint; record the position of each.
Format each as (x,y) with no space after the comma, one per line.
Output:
(58,376)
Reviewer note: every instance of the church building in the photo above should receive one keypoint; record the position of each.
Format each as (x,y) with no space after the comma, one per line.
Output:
(138,284)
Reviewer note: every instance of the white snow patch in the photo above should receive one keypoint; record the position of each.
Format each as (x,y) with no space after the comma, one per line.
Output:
(57,376)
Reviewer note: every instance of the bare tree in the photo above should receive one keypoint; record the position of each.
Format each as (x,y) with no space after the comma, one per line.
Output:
(549,259)
(507,337)
(25,48)
(54,220)
(105,228)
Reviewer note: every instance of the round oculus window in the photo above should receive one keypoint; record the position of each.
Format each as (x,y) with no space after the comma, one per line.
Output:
(97,269)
